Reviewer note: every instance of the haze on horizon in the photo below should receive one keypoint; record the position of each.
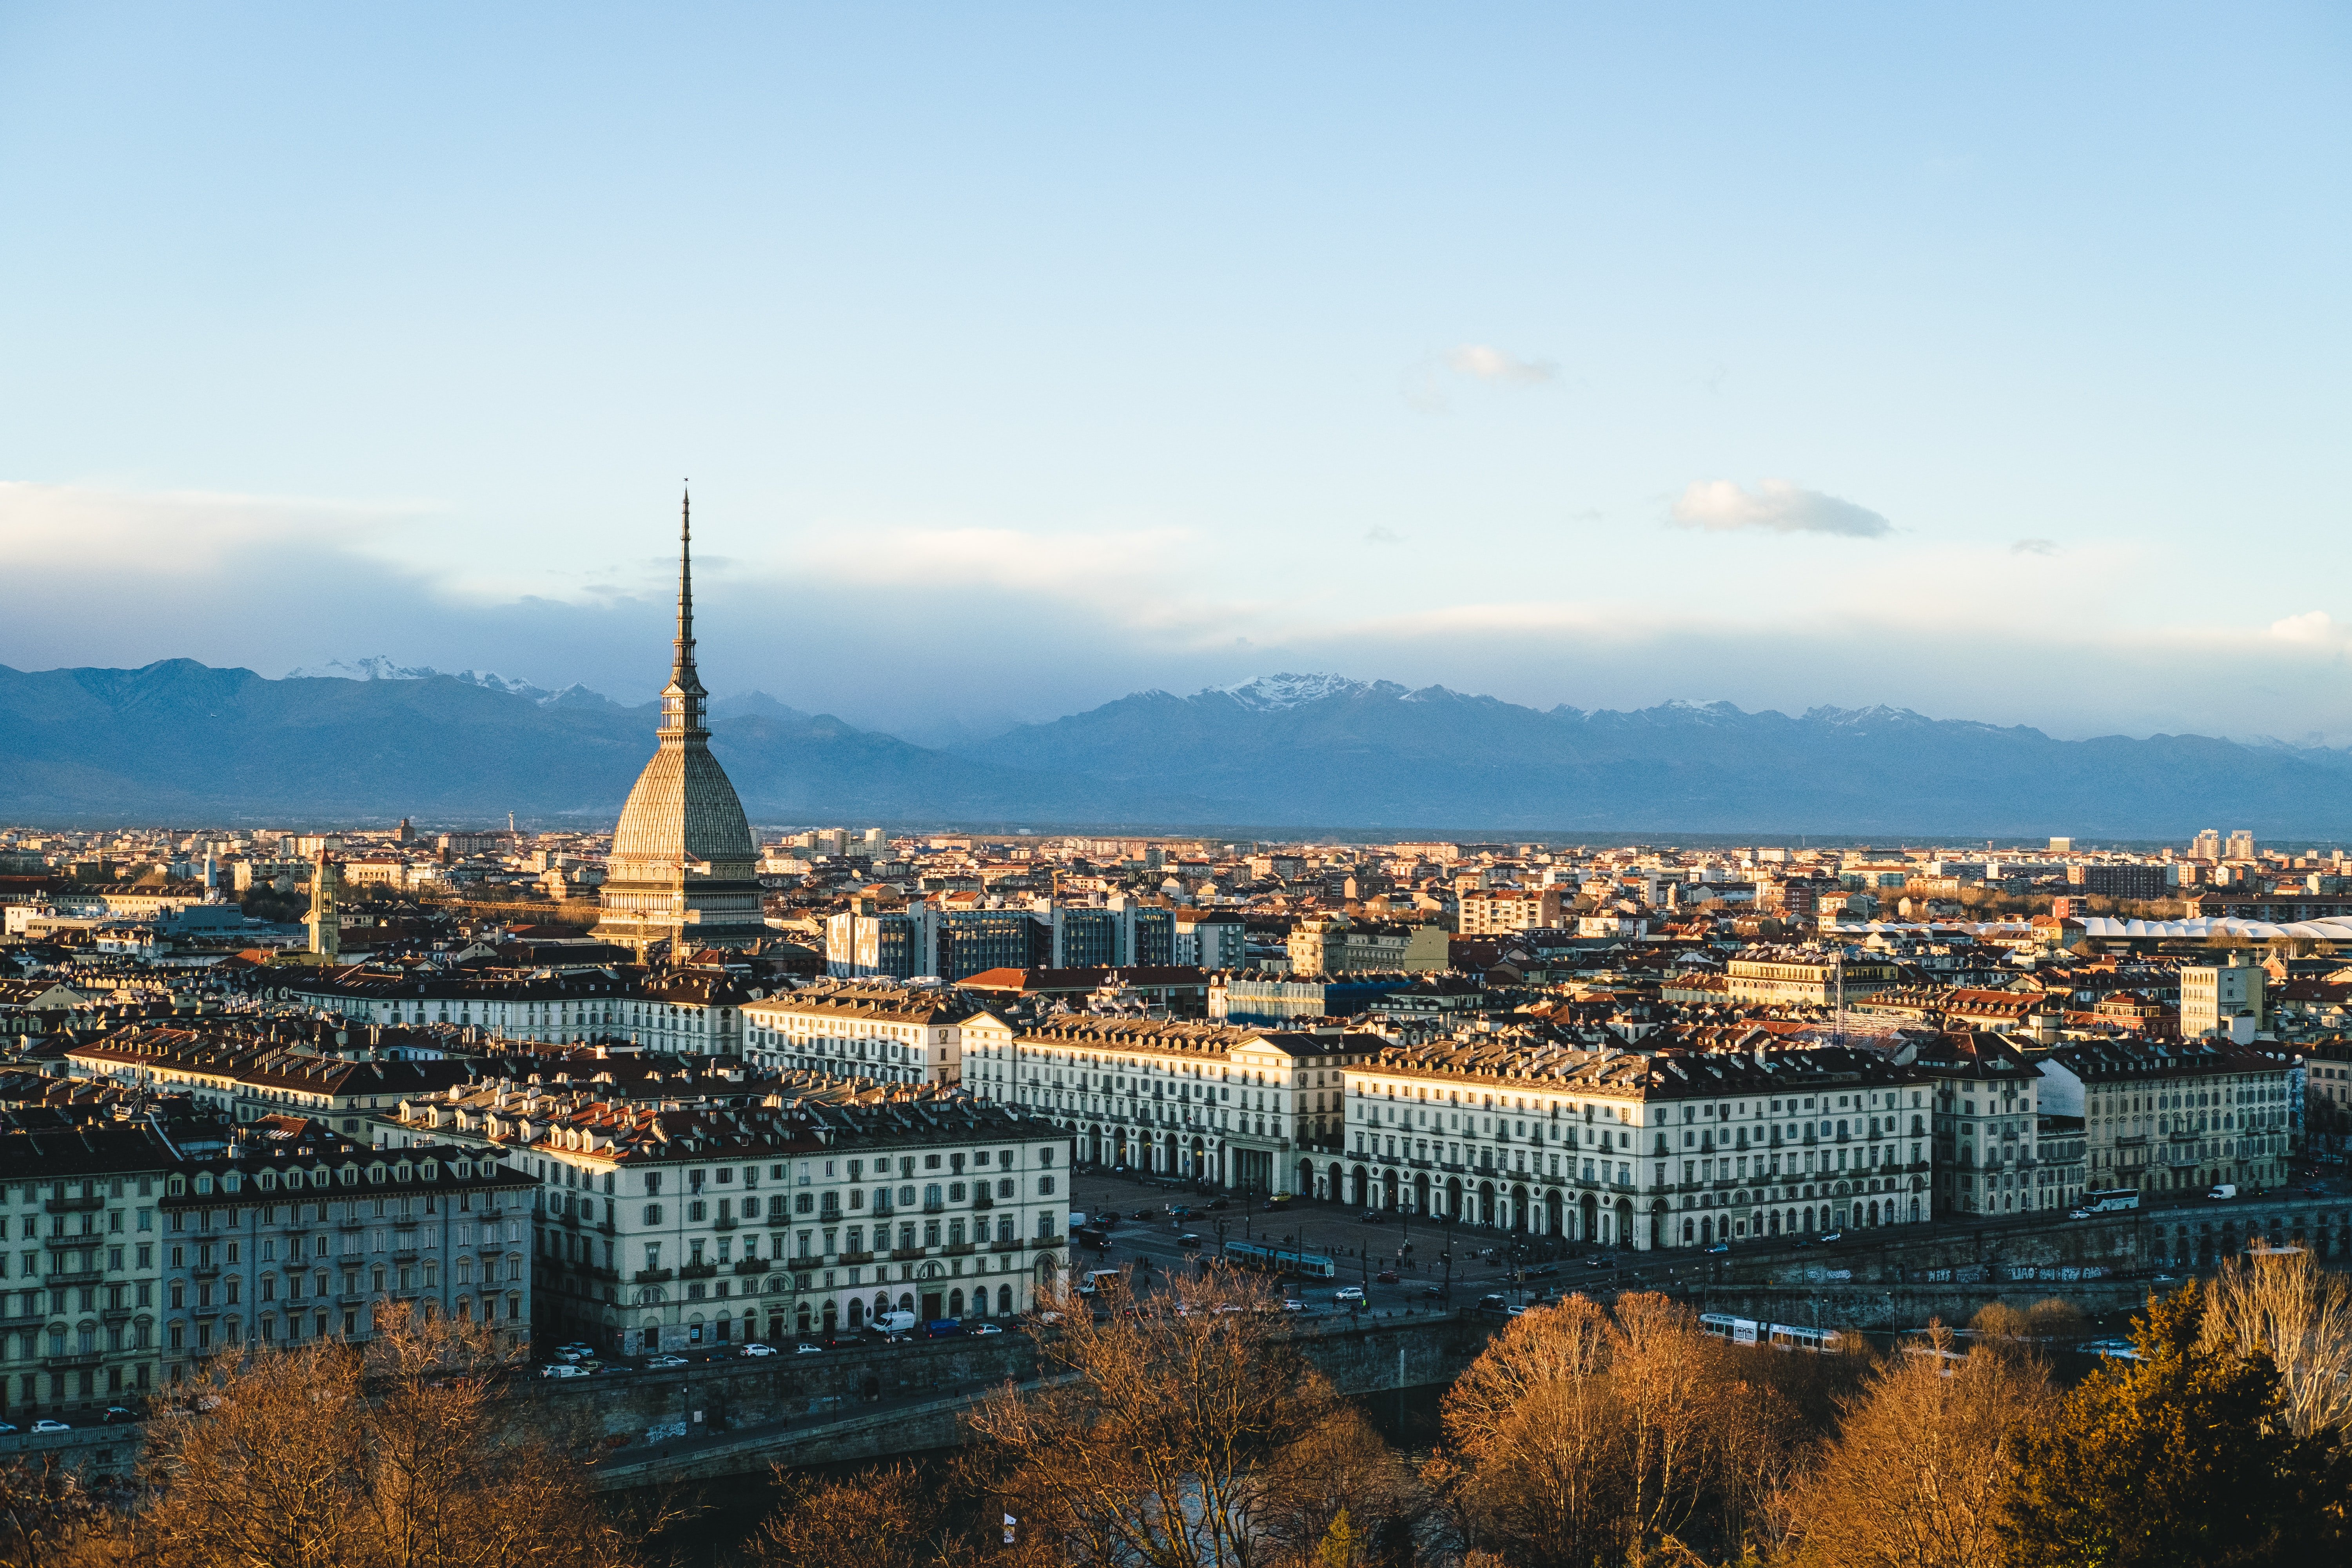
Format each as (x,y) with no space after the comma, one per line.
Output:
(1987,363)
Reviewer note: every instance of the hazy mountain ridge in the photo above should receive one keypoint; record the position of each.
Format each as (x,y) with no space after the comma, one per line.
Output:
(182,741)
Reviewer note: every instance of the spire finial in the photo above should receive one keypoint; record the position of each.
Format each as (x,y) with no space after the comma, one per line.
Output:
(684,661)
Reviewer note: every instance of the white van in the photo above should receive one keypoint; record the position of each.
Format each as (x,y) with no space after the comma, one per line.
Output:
(2226,1191)
(893,1323)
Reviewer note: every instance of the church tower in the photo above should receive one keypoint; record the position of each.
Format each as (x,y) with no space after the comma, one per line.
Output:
(682,865)
(325,921)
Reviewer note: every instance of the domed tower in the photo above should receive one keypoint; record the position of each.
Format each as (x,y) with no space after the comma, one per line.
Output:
(681,869)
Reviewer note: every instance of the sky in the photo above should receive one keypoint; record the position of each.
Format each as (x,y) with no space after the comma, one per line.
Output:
(1989,361)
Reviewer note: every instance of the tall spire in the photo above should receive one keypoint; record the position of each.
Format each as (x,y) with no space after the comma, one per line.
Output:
(682,665)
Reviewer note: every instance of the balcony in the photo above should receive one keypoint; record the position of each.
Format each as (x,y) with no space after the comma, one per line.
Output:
(983,1202)
(724,1222)
(77,1277)
(906,1254)
(698,1271)
(959,1248)
(62,1363)
(652,1276)
(1006,1246)
(74,1206)
(753,1266)
(856,1257)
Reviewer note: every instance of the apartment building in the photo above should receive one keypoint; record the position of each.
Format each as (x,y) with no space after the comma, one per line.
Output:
(697,1012)
(2175,1116)
(1339,944)
(1259,1110)
(296,1233)
(2223,999)
(244,1075)
(1501,911)
(80,1273)
(1987,1122)
(1649,1152)
(665,1225)
(891,1033)
(1808,976)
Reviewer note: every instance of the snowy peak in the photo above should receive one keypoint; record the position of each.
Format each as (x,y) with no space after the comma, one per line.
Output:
(1273,693)
(379,668)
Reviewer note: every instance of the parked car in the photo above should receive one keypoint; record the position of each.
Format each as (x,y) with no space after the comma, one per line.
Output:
(7,1427)
(51,1426)
(558,1369)
(1494,1303)
(756,1348)
(1832,1237)
(575,1347)
(1720,1247)
(1387,1276)
(981,1330)
(1292,1304)
(664,1362)
(805,1348)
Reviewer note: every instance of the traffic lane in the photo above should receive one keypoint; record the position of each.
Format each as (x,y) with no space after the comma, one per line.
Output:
(1165,1254)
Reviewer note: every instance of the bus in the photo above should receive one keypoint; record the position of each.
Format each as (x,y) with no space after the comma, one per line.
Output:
(1280,1260)
(1779,1336)
(2108,1200)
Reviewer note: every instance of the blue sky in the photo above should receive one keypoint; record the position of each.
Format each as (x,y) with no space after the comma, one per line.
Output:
(1989,361)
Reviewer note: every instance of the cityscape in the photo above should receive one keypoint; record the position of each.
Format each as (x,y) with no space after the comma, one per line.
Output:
(1798,1035)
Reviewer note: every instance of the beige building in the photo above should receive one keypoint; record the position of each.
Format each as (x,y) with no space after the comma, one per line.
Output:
(1258,1110)
(2223,999)
(1509,909)
(1336,945)
(2173,1117)
(891,1033)
(1810,976)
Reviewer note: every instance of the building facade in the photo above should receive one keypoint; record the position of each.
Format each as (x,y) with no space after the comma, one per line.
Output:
(2174,1117)
(890,1034)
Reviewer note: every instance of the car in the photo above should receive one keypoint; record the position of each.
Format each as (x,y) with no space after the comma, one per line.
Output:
(116,1414)
(1804,1242)
(51,1426)
(1373,1216)
(756,1348)
(1832,1237)
(1543,1271)
(1221,1203)
(1140,1214)
(2316,1190)
(1494,1303)
(1352,1292)
(1600,1260)
(2078,1214)
(1720,1247)
(8,1426)
(1188,1238)
(557,1369)
(1432,1293)
(665,1364)
(576,1345)
(1290,1304)
(981,1330)
(1387,1276)
(566,1355)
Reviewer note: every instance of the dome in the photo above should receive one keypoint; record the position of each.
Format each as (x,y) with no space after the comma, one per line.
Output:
(682,810)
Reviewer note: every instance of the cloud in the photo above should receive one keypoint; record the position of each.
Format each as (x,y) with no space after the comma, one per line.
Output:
(1381,534)
(1777,506)
(2312,628)
(1492,364)
(2034,547)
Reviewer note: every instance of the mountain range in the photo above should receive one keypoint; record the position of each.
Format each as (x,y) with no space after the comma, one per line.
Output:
(186,743)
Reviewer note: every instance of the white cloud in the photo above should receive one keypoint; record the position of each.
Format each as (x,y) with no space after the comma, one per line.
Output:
(1776,505)
(2034,547)
(1492,364)
(2312,628)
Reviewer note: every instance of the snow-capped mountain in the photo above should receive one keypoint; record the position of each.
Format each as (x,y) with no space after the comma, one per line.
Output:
(379,668)
(1274,693)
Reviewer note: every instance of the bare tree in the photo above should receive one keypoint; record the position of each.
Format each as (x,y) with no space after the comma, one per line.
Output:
(889,1517)
(2286,1306)
(1917,1475)
(405,1453)
(1151,1439)
(48,1519)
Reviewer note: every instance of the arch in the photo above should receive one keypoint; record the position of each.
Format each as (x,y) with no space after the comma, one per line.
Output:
(1359,1187)
(832,1316)
(1454,1197)
(1555,1213)
(1485,1214)
(955,1303)
(1773,1223)
(1388,1190)
(1518,1212)
(1588,1218)
(1625,1236)
(1305,1187)
(1706,1230)
(856,1312)
(1004,1300)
